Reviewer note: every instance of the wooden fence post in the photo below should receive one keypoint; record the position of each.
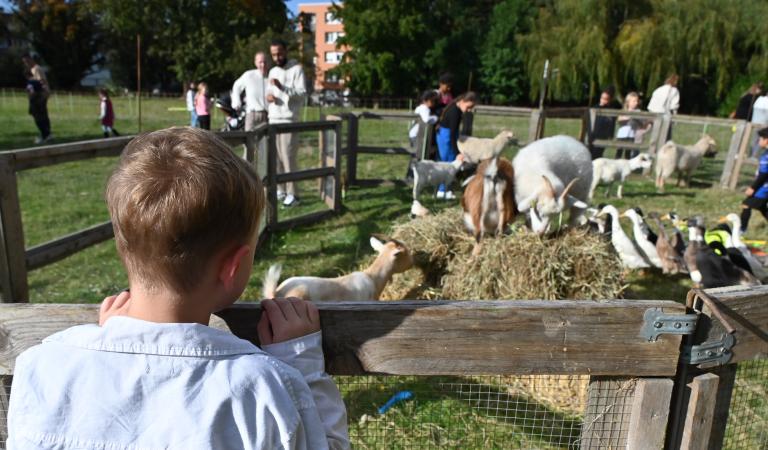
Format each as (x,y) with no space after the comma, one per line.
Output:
(13,264)
(742,155)
(727,375)
(272,178)
(533,125)
(701,407)
(650,412)
(653,142)
(467,121)
(330,186)
(352,135)
(606,418)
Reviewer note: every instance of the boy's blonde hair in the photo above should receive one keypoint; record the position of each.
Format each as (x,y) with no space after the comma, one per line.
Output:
(177,197)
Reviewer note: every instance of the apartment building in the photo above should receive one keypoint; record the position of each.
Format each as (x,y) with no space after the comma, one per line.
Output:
(318,20)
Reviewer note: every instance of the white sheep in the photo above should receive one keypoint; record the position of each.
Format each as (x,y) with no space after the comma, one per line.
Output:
(607,171)
(394,257)
(433,173)
(683,159)
(552,174)
(479,149)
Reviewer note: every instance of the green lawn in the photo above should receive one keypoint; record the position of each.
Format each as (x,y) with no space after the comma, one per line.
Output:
(64,198)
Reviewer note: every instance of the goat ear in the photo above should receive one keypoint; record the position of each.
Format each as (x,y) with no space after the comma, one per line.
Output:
(377,244)
(576,203)
(548,190)
(565,195)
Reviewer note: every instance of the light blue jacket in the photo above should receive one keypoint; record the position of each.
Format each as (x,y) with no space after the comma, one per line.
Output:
(136,385)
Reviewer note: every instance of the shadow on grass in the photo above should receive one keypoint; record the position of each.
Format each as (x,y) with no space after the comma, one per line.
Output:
(456,411)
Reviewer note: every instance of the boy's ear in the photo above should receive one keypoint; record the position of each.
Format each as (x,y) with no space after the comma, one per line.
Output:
(230,264)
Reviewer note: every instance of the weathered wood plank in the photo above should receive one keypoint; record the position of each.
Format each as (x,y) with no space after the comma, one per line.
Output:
(58,249)
(14,272)
(433,338)
(306,174)
(746,309)
(650,412)
(387,115)
(352,133)
(75,151)
(383,150)
(504,111)
(607,413)
(294,127)
(701,406)
(727,375)
(5,400)
(616,143)
(746,139)
(733,152)
(306,219)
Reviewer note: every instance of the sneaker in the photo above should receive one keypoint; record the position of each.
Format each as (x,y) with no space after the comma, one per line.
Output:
(449,195)
(49,138)
(290,200)
(441,195)
(38,140)
(280,195)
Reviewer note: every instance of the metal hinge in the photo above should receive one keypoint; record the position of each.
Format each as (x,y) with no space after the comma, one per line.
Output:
(718,352)
(657,323)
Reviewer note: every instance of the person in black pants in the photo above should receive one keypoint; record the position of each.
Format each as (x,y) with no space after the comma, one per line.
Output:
(603,126)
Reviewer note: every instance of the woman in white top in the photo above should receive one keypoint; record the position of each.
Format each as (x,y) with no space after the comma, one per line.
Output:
(666,99)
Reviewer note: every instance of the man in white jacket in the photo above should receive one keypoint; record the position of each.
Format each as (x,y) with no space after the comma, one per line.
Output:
(285,94)
(254,83)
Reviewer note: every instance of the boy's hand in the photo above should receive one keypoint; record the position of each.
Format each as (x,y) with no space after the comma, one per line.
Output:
(114,305)
(749,191)
(286,319)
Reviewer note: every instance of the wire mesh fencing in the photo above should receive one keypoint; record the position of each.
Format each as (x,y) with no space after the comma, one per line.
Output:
(747,426)
(541,412)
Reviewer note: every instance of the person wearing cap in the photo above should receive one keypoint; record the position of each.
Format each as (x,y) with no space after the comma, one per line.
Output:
(757,192)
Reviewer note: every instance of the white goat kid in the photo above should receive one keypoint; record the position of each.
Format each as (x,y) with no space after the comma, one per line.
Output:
(394,257)
(551,175)
(608,171)
(433,173)
(479,149)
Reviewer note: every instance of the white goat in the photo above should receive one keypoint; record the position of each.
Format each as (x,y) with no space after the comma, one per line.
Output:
(433,173)
(479,149)
(607,171)
(552,174)
(683,159)
(394,257)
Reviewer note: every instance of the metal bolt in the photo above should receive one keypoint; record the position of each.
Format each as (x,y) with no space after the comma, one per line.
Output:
(657,324)
(710,353)
(678,325)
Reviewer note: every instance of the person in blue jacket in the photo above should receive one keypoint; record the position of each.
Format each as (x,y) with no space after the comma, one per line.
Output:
(757,193)
(448,133)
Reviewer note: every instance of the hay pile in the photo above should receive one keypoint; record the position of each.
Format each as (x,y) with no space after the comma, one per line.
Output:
(521,265)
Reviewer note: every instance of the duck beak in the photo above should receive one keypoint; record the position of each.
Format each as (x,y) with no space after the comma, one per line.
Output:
(665,217)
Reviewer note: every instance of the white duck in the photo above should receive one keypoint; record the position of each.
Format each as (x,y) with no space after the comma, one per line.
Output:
(757,269)
(648,247)
(630,257)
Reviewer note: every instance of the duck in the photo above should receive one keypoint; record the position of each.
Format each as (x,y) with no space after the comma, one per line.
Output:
(600,226)
(630,257)
(706,268)
(671,260)
(641,237)
(676,239)
(755,267)
(649,234)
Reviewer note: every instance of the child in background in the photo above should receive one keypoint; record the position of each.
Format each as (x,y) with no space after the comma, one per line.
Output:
(107,114)
(152,374)
(757,193)
(203,107)
(425,111)
(448,133)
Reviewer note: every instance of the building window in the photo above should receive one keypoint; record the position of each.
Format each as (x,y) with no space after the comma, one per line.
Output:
(331,77)
(331,18)
(333,57)
(332,36)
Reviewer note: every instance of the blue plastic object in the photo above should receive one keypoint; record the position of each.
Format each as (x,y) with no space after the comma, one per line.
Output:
(395,399)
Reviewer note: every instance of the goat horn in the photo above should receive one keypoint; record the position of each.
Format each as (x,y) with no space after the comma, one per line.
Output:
(564,195)
(548,187)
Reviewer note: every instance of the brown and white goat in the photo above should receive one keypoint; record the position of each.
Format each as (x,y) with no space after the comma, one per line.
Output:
(489,198)
(394,257)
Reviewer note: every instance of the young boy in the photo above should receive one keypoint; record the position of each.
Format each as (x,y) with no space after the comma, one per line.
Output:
(757,193)
(152,374)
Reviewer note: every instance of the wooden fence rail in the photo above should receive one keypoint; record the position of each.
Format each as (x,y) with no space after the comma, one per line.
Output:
(259,144)
(607,340)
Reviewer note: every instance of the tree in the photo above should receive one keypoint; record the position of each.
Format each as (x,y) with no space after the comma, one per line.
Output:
(501,62)
(63,33)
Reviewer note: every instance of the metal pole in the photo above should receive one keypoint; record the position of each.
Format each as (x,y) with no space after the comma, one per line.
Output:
(138,76)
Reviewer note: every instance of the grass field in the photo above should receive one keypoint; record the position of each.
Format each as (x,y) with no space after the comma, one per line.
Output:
(64,198)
